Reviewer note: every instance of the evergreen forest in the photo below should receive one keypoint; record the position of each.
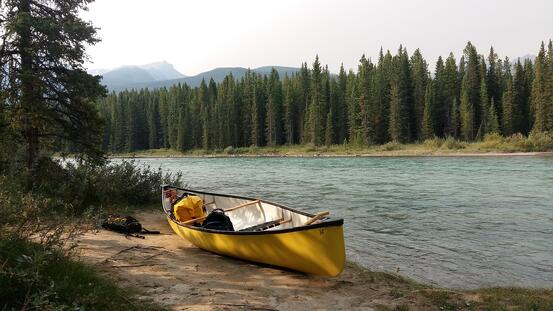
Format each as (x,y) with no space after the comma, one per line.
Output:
(398,98)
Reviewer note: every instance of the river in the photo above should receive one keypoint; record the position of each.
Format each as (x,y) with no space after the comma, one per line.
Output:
(458,222)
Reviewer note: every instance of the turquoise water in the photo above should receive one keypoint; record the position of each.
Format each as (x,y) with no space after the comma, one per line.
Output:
(454,222)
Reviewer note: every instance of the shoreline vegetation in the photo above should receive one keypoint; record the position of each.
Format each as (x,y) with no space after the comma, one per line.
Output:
(491,145)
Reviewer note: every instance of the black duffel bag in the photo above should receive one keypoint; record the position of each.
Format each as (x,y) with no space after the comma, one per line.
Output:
(125,224)
(217,220)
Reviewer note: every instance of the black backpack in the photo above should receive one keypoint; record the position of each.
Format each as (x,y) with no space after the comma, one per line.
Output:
(217,220)
(125,224)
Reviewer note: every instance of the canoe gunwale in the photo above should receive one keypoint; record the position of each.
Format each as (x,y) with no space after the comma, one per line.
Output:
(323,224)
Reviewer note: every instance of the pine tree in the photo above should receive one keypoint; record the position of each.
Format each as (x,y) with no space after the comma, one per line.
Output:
(520,103)
(450,95)
(508,109)
(49,94)
(364,130)
(428,122)
(381,95)
(470,93)
(466,113)
(455,119)
(342,111)
(400,124)
(274,117)
(537,97)
(290,130)
(493,78)
(484,102)
(397,119)
(329,129)
(441,109)
(419,78)
(351,102)
(548,89)
(492,123)
(528,80)
(314,121)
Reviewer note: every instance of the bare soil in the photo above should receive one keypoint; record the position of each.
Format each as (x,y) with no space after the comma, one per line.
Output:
(177,275)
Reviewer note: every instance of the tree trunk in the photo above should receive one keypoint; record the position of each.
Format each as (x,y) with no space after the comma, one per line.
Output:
(28,92)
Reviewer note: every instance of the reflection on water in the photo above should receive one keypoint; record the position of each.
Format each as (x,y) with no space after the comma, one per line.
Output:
(455,222)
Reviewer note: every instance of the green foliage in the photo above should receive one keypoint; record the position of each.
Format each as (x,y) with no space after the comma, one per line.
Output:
(46,95)
(450,143)
(75,188)
(492,123)
(35,276)
(535,142)
(428,122)
(466,113)
(37,244)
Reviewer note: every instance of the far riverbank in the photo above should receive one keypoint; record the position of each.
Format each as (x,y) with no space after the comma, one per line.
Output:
(493,146)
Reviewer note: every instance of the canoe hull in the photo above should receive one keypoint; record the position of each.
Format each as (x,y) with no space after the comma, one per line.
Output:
(312,249)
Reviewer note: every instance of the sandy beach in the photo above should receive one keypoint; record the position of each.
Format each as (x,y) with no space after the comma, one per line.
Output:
(174,273)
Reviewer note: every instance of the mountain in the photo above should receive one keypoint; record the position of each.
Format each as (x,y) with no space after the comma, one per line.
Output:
(121,77)
(162,71)
(133,77)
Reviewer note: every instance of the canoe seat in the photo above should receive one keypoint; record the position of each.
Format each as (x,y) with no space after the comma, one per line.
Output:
(263,226)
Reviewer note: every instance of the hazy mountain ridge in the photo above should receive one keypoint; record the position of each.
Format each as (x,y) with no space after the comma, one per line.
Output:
(163,74)
(120,77)
(217,74)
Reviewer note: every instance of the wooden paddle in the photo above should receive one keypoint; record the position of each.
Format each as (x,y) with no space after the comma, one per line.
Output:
(316,217)
(227,210)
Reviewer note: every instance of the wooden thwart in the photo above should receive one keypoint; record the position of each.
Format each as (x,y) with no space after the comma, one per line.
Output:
(227,210)
(242,205)
(316,217)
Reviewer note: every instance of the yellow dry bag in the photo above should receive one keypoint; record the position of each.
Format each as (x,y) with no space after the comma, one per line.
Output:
(189,207)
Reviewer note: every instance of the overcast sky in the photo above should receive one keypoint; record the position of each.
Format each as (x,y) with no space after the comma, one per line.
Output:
(200,35)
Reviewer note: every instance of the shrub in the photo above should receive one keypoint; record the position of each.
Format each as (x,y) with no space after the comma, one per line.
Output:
(541,141)
(391,146)
(35,276)
(229,150)
(84,186)
(309,148)
(451,143)
(37,241)
(253,149)
(434,143)
(492,141)
(517,142)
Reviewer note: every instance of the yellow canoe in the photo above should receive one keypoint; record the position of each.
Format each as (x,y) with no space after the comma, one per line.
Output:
(266,233)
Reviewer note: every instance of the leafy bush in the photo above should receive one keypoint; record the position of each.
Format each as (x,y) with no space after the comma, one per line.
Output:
(37,237)
(83,186)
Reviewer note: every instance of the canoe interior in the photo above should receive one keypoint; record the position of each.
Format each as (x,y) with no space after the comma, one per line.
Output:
(247,216)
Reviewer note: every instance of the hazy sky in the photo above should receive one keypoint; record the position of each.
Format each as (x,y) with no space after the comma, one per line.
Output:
(200,35)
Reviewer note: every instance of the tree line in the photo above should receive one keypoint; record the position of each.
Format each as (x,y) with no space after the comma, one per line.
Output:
(396,98)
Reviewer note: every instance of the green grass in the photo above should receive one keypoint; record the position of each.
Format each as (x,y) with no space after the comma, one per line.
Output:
(541,142)
(35,277)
